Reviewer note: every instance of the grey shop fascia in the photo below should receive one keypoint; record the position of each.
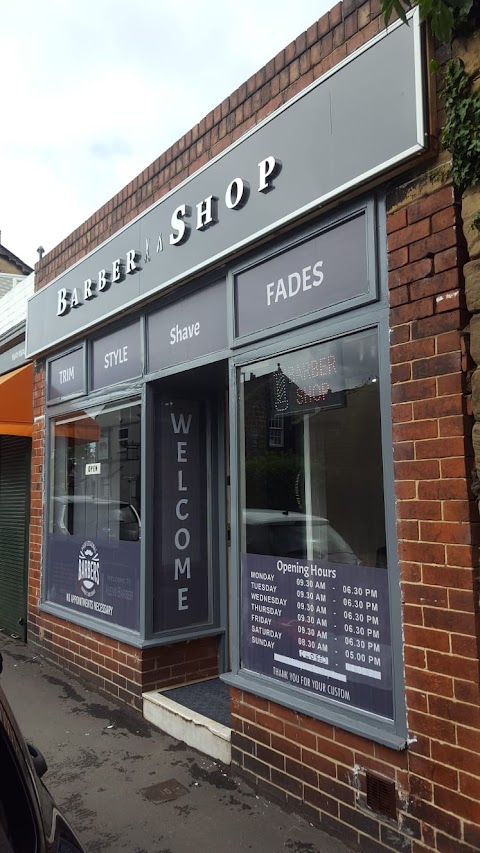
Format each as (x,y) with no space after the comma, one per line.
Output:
(296,160)
(357,122)
(236,196)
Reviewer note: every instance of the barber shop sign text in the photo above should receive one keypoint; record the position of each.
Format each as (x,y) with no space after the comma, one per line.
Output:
(183,219)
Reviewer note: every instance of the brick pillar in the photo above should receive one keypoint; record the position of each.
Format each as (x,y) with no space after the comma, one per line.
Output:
(437,520)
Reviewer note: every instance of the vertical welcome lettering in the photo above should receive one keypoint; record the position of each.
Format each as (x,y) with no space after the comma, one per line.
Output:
(181,426)
(182,584)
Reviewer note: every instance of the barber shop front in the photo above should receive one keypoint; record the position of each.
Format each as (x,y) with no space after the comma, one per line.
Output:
(218,468)
(215,496)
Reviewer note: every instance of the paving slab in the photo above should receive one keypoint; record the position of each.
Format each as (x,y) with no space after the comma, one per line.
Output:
(126,786)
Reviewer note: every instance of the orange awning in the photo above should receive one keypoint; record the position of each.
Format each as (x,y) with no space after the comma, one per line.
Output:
(16,401)
(80,429)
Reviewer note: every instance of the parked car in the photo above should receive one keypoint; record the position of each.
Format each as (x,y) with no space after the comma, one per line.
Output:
(95,518)
(281,533)
(30,822)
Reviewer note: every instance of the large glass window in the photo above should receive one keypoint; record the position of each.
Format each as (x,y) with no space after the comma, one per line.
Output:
(314,586)
(93,563)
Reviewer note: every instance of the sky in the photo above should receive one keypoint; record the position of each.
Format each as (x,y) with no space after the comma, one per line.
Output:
(92,91)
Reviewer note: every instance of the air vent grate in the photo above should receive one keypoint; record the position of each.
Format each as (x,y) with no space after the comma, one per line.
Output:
(381,796)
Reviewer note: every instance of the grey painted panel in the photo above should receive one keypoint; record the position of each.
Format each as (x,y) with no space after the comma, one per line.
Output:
(66,374)
(117,357)
(360,119)
(181,577)
(323,271)
(189,328)
(12,358)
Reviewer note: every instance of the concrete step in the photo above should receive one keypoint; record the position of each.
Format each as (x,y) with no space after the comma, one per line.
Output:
(208,736)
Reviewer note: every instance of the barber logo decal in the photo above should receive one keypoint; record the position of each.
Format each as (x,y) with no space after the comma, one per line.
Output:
(89,568)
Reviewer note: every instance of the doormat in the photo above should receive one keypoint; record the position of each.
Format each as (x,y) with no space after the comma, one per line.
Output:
(162,792)
(210,698)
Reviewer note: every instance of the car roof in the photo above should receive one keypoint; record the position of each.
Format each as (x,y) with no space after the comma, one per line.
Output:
(67,499)
(279,516)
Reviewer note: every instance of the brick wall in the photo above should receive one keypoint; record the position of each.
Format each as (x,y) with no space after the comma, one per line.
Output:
(118,669)
(317,770)
(311,766)
(438,527)
(320,770)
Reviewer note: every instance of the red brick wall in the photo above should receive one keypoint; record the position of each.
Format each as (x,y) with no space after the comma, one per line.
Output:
(312,766)
(319,771)
(438,526)
(117,668)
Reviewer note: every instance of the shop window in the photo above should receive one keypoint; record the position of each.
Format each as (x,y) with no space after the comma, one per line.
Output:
(314,581)
(93,563)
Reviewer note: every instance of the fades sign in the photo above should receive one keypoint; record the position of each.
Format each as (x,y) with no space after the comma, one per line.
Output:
(359,120)
(322,273)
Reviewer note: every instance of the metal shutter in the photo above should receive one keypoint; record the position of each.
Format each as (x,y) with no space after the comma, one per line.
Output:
(14,527)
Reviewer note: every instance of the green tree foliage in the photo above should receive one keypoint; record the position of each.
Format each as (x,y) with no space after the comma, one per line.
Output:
(444,16)
(461,131)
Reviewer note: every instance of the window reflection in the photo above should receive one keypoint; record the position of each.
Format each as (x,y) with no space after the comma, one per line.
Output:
(312,481)
(96,475)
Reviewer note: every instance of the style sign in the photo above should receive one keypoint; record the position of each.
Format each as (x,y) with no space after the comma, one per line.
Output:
(66,375)
(117,357)
(323,272)
(193,326)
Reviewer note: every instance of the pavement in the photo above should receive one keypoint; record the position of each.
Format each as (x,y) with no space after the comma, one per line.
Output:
(104,761)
